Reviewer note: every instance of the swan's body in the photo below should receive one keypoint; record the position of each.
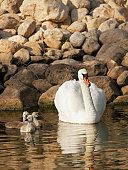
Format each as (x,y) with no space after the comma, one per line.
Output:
(28,127)
(17,124)
(76,102)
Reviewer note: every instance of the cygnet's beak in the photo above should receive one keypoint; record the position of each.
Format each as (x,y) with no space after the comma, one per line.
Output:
(87,82)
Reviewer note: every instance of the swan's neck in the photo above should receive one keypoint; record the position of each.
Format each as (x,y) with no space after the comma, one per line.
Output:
(87,98)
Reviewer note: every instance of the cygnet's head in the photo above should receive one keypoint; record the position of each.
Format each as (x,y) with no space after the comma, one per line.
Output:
(30,118)
(25,114)
(83,75)
(35,114)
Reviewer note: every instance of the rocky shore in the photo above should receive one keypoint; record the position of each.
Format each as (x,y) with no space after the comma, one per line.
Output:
(45,43)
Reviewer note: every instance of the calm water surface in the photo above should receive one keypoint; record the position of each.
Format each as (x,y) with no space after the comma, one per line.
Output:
(64,146)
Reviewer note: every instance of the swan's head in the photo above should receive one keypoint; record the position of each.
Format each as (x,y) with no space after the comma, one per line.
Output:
(83,75)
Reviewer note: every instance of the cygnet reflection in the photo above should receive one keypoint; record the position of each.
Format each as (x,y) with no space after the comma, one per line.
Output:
(77,138)
(30,138)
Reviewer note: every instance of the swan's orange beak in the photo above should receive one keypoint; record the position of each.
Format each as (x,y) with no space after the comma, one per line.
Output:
(87,82)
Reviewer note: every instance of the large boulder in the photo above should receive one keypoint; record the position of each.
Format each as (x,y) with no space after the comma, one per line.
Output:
(47,98)
(76,54)
(116,71)
(122,80)
(58,74)
(6,58)
(42,85)
(111,51)
(14,97)
(24,76)
(94,67)
(77,39)
(108,85)
(45,10)
(112,36)
(38,69)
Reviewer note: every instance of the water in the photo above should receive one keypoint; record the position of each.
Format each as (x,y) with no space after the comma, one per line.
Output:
(64,146)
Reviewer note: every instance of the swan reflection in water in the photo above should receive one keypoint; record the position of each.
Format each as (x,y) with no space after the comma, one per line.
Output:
(82,138)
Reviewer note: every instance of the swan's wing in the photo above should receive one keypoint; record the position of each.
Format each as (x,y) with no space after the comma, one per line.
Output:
(99,98)
(69,97)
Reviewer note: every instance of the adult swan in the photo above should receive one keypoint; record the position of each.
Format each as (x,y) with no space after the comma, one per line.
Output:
(80,101)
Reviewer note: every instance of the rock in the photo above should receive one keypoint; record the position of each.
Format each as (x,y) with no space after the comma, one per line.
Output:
(94,23)
(66,23)
(47,98)
(111,64)
(18,38)
(90,46)
(78,14)
(88,58)
(104,11)
(2,11)
(40,59)
(45,10)
(6,58)
(3,71)
(66,35)
(93,33)
(54,54)
(112,36)
(122,80)
(9,21)
(34,48)
(67,61)
(11,6)
(108,85)
(111,51)
(123,26)
(24,76)
(14,97)
(67,46)
(7,46)
(77,39)
(96,3)
(125,60)
(76,26)
(55,33)
(27,28)
(21,57)
(7,33)
(121,14)
(125,90)
(52,43)
(108,24)
(48,25)
(77,4)
(94,67)
(11,70)
(115,72)
(37,36)
(58,74)
(76,54)
(123,44)
(121,100)
(42,85)
(38,70)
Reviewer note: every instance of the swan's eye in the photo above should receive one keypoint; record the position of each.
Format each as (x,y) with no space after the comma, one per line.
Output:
(85,76)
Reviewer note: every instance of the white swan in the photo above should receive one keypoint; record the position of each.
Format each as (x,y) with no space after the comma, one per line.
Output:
(28,127)
(80,101)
